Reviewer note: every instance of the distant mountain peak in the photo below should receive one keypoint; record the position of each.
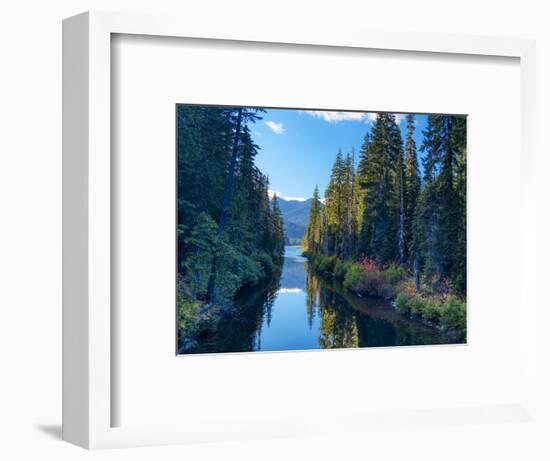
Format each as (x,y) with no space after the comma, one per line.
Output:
(286,198)
(295,217)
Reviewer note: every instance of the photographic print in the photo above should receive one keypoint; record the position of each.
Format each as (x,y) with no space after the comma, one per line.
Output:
(317,229)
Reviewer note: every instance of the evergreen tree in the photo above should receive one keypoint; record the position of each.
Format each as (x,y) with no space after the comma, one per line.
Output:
(348,230)
(380,223)
(204,137)
(439,228)
(203,239)
(361,185)
(400,195)
(277,230)
(411,187)
(335,206)
(314,232)
(224,213)
(459,146)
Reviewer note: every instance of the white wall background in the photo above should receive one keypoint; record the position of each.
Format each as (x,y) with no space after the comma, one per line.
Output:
(30,229)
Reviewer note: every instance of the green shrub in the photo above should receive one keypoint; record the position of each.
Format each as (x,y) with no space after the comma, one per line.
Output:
(249,270)
(453,319)
(353,277)
(418,306)
(188,316)
(431,312)
(266,263)
(341,269)
(326,264)
(395,274)
(403,304)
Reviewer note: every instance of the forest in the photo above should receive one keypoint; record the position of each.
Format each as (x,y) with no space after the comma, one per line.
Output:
(396,229)
(229,231)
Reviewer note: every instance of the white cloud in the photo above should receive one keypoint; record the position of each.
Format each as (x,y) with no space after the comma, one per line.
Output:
(277,128)
(335,117)
(372,116)
(284,197)
(399,118)
(290,290)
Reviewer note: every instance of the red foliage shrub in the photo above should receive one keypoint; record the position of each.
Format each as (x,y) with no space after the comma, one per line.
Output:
(370,265)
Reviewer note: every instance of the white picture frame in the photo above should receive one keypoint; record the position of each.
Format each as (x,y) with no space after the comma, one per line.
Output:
(87,360)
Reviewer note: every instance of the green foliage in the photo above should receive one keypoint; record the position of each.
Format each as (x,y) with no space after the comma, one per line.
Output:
(453,319)
(326,264)
(403,304)
(191,317)
(439,227)
(418,306)
(188,316)
(249,270)
(336,225)
(230,233)
(276,230)
(203,241)
(450,315)
(384,212)
(408,236)
(394,274)
(266,263)
(432,312)
(353,276)
(313,238)
(381,183)
(226,272)
(411,186)
(423,308)
(341,268)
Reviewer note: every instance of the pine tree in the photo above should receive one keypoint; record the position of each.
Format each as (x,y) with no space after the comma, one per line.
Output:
(439,229)
(313,235)
(411,187)
(380,223)
(277,230)
(204,240)
(204,137)
(335,206)
(348,229)
(400,194)
(219,185)
(459,146)
(361,185)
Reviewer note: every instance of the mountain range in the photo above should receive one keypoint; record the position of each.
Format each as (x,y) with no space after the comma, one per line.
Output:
(295,218)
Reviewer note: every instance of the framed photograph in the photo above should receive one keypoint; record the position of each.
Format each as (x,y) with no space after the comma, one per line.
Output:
(285,213)
(288,242)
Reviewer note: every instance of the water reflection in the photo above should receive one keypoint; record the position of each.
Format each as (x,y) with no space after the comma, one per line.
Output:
(300,311)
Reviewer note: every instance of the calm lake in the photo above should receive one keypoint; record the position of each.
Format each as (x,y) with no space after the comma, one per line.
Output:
(303,311)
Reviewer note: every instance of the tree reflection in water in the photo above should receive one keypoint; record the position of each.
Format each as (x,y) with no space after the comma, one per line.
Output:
(298,310)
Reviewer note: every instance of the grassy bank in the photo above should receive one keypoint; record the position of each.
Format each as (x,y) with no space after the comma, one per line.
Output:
(433,302)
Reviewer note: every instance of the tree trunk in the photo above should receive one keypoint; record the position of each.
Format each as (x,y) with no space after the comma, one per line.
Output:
(226,200)
(231,174)
(401,244)
(416,274)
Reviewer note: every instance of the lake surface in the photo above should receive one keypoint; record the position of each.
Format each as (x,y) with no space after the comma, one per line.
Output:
(302,311)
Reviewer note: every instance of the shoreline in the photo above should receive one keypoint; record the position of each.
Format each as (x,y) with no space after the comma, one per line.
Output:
(444,311)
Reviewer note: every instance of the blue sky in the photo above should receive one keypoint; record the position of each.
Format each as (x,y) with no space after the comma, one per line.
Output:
(298,148)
